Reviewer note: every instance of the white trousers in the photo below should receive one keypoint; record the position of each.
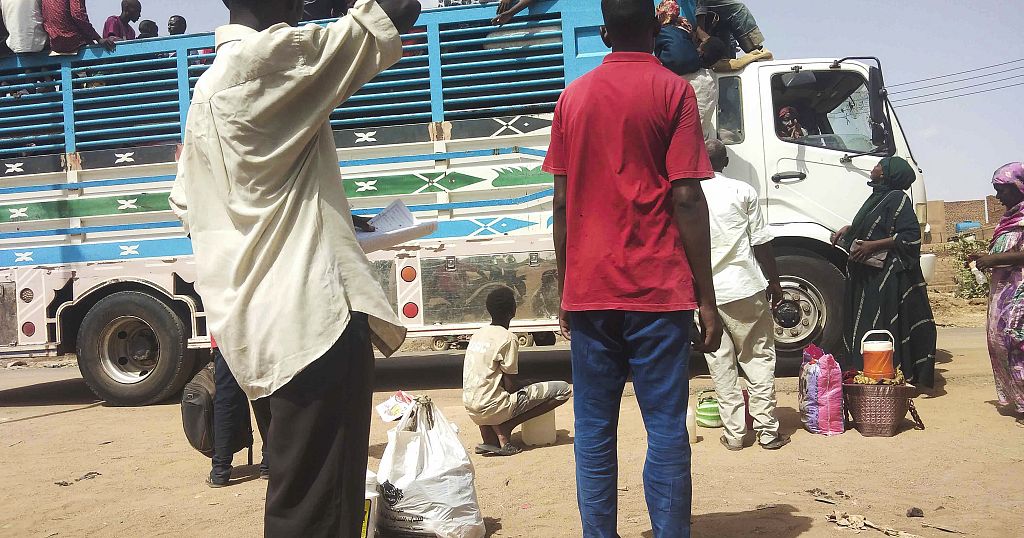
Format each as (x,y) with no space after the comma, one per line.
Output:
(748,343)
(706,88)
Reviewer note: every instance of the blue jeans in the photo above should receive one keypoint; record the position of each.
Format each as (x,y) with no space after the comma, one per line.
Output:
(735,24)
(231,419)
(607,347)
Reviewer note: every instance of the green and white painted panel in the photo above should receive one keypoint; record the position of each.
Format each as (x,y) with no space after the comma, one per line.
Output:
(464,179)
(84,207)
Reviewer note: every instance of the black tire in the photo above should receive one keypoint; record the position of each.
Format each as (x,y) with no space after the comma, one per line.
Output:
(809,276)
(544,338)
(132,350)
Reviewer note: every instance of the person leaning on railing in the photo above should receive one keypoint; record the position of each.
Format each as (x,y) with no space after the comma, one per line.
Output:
(67,24)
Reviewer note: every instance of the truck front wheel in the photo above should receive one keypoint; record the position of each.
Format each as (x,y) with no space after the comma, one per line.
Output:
(812,313)
(132,350)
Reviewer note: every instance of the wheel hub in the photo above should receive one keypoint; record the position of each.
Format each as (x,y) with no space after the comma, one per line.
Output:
(129,350)
(801,316)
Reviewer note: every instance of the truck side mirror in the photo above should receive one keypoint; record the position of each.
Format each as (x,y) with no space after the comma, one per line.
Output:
(880,129)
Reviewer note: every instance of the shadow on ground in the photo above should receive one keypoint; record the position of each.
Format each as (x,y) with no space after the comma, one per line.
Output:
(775,521)
(63,392)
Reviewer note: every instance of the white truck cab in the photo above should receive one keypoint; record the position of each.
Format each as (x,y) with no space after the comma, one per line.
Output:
(813,184)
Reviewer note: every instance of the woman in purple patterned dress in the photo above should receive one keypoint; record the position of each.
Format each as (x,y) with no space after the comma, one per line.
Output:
(1006,303)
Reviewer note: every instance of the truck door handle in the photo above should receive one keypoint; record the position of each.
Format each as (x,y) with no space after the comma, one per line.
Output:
(789,177)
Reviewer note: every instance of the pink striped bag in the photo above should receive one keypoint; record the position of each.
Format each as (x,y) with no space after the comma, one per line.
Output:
(821,393)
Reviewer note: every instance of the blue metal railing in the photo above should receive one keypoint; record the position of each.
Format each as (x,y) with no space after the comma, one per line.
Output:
(456,65)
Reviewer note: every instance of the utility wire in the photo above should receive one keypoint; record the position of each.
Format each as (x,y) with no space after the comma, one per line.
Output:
(970,79)
(956,89)
(955,74)
(956,96)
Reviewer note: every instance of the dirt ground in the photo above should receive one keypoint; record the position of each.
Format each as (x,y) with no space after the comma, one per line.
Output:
(963,471)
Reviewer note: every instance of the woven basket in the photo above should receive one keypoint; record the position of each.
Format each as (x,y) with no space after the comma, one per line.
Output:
(879,410)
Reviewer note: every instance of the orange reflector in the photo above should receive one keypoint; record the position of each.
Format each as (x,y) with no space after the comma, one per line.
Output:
(408,273)
(410,310)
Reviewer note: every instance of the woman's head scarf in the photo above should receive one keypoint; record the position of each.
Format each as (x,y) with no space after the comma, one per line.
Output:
(1010,174)
(669,15)
(897,175)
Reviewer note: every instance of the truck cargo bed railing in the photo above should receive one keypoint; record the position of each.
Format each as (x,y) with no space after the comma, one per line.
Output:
(456,66)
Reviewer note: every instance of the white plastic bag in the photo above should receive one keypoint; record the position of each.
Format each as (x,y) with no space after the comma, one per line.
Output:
(426,479)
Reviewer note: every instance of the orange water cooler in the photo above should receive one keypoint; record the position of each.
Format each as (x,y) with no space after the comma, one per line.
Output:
(878,355)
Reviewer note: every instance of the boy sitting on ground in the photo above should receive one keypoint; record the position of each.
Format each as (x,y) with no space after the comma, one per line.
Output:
(494,397)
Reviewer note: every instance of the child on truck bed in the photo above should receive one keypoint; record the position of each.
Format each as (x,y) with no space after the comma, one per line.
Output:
(494,397)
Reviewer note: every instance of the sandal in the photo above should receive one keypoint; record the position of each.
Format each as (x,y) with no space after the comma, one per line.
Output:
(507,450)
(484,448)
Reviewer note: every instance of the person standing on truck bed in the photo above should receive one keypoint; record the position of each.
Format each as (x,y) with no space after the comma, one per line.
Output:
(24,20)
(177,25)
(747,288)
(118,27)
(289,293)
(67,24)
(632,242)
(678,50)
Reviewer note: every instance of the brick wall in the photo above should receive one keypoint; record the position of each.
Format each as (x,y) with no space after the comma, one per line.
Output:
(944,216)
(967,210)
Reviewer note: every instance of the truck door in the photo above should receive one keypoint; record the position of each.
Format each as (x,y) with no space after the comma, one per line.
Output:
(813,116)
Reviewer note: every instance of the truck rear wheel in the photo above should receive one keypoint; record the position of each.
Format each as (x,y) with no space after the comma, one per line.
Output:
(812,313)
(132,350)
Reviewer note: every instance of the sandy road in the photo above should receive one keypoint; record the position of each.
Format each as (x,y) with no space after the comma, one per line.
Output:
(964,471)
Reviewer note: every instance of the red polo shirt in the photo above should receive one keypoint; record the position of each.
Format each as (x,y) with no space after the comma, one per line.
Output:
(622,134)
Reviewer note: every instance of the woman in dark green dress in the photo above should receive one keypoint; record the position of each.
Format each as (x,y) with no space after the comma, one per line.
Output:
(885,288)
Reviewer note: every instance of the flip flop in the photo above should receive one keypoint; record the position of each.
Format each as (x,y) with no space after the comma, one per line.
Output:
(507,450)
(484,448)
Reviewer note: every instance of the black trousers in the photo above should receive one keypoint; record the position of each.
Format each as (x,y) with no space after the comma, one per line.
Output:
(318,442)
(231,418)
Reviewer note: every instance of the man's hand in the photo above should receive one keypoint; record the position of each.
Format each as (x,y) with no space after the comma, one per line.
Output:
(508,9)
(403,13)
(837,236)
(711,330)
(362,224)
(502,18)
(563,324)
(107,43)
(775,294)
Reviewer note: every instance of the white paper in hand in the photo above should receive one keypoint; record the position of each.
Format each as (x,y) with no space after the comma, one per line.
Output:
(393,226)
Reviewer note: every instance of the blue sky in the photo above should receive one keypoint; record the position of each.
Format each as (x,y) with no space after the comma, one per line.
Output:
(958,142)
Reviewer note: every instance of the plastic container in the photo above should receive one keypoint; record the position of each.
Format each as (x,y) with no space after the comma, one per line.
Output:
(979,275)
(708,415)
(540,431)
(691,424)
(878,356)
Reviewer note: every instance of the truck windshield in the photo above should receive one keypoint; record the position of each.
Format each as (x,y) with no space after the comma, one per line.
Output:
(828,109)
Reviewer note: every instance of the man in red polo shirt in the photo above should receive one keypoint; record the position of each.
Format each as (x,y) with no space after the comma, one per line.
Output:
(632,239)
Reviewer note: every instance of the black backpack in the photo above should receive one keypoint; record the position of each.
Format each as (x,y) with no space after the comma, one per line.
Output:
(197,416)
